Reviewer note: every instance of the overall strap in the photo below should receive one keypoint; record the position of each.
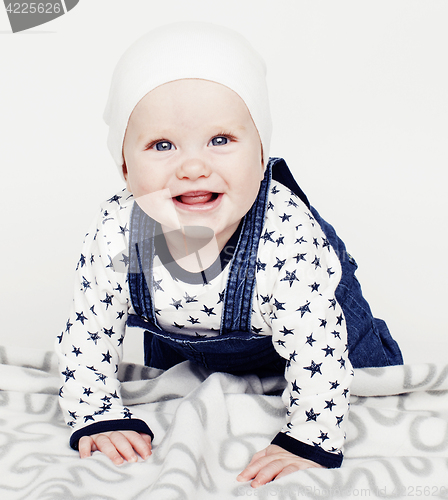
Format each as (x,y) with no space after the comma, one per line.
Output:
(141,257)
(237,309)
(282,174)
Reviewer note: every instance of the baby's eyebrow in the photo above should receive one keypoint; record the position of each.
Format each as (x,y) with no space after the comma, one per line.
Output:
(229,128)
(150,136)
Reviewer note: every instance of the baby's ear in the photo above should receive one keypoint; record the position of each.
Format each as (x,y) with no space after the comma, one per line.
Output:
(263,167)
(125,171)
(126,176)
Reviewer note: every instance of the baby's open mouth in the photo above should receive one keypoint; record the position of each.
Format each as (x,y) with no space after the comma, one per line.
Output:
(194,198)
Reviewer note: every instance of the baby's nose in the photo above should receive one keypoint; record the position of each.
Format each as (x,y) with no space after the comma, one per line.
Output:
(193,168)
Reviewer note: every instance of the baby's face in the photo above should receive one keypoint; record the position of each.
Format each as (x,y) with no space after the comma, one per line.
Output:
(193,156)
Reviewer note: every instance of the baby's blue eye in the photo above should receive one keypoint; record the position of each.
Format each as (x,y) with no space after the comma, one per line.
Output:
(163,146)
(219,141)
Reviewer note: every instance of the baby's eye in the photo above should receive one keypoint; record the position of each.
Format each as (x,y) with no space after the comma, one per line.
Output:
(219,141)
(163,146)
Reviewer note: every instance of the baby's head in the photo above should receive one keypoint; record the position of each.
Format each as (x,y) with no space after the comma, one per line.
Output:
(189,124)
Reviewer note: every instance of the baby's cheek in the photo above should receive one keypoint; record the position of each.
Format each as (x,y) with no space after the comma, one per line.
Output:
(249,191)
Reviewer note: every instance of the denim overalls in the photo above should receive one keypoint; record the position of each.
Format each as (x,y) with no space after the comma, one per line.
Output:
(237,350)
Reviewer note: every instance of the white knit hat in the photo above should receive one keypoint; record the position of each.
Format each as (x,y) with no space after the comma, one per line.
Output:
(187,50)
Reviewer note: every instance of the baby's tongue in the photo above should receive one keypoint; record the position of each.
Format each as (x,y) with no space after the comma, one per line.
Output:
(195,198)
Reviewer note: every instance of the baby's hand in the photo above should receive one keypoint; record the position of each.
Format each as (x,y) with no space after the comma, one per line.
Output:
(117,445)
(271,463)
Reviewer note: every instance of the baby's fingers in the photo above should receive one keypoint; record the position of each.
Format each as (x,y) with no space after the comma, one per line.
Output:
(86,446)
(113,446)
(141,443)
(262,471)
(255,465)
(147,439)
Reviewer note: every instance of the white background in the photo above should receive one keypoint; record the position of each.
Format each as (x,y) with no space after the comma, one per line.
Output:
(360,108)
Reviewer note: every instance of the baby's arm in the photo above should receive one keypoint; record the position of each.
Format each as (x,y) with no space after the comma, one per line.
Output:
(308,330)
(90,348)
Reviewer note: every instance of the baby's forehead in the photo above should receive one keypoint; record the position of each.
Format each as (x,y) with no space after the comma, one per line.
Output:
(198,90)
(192,103)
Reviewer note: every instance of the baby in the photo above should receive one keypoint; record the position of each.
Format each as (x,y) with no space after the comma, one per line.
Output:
(215,252)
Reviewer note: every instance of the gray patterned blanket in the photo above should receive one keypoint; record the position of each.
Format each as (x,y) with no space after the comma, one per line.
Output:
(207,426)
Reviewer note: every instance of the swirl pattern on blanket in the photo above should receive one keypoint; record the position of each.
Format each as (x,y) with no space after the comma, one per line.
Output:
(208,425)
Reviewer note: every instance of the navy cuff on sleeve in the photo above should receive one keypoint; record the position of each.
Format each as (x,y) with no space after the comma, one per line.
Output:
(125,424)
(314,453)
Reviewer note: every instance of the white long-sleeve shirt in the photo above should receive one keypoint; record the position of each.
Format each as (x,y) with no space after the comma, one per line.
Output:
(297,273)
